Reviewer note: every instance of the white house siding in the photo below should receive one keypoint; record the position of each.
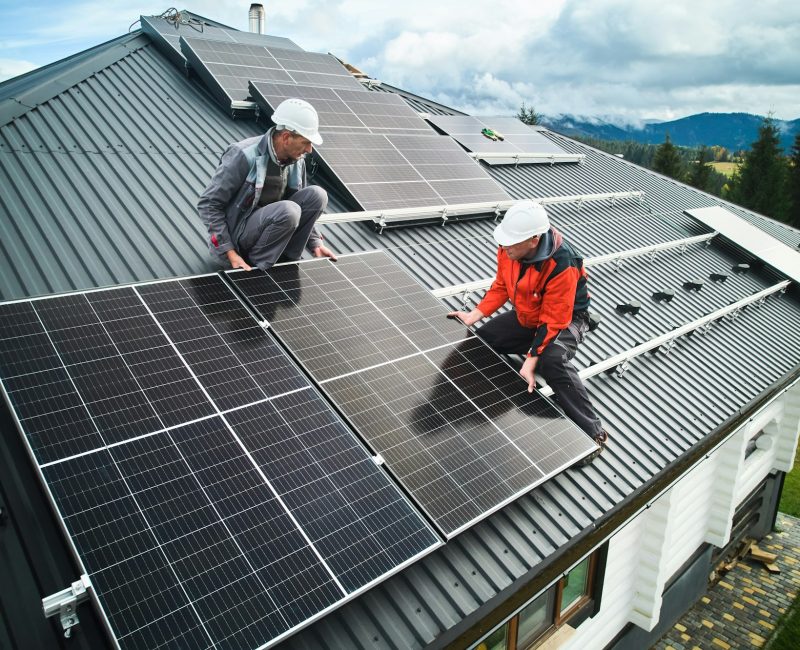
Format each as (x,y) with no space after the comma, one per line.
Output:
(699,508)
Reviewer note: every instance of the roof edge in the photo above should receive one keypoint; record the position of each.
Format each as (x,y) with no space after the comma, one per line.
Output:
(506,602)
(21,94)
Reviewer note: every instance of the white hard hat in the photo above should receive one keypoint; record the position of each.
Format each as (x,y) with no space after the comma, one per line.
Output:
(299,116)
(523,220)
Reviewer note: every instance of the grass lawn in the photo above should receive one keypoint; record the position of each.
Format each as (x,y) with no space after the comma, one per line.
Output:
(724,167)
(790,498)
(788,630)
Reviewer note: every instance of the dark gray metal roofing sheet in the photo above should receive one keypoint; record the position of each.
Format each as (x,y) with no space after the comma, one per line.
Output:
(100,182)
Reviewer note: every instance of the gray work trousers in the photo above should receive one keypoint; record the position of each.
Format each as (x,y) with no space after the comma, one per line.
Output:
(506,335)
(280,230)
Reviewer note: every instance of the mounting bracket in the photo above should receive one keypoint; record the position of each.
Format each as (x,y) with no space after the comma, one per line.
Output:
(65,603)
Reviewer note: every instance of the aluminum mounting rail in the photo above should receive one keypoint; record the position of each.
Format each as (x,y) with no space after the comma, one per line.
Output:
(529,157)
(382,217)
(619,362)
(683,244)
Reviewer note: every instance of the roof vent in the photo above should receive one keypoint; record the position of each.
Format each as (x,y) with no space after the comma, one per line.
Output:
(693,285)
(256,16)
(718,277)
(741,268)
(665,295)
(631,307)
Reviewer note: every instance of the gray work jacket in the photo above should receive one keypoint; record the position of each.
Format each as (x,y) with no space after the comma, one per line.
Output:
(234,191)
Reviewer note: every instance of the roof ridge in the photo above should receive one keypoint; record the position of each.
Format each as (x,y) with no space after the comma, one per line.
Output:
(25,92)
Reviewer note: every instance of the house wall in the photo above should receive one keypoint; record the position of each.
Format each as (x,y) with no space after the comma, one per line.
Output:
(644,556)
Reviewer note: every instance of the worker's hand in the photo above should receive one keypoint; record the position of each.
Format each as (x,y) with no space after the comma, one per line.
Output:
(324,251)
(237,262)
(527,372)
(467,318)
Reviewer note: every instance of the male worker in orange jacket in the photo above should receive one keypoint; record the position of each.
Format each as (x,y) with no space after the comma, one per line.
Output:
(544,278)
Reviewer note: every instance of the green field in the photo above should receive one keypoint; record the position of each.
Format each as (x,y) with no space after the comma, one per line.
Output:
(724,167)
(790,498)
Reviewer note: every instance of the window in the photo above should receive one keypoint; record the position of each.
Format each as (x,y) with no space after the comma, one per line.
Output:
(535,622)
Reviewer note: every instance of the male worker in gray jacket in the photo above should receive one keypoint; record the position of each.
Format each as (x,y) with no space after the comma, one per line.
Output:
(257,207)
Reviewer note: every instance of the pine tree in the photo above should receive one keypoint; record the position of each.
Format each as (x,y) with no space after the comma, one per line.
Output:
(528,115)
(794,183)
(760,183)
(700,171)
(667,160)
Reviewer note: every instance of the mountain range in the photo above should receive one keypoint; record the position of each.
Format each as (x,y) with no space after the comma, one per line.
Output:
(733,131)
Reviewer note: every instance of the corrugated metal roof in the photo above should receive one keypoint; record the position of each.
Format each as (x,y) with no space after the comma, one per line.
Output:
(100,181)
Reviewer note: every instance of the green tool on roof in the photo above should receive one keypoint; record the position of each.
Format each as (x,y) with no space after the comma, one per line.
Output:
(492,135)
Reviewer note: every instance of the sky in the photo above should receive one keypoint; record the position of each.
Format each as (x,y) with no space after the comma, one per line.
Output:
(624,61)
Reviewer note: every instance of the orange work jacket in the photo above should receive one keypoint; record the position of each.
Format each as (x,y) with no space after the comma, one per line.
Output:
(545,294)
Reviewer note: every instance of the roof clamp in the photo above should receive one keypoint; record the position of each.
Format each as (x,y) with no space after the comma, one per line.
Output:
(705,329)
(381,223)
(613,201)
(552,160)
(497,213)
(733,314)
(516,160)
(580,204)
(683,248)
(652,256)
(621,368)
(464,297)
(761,301)
(444,216)
(65,602)
(783,289)
(618,264)
(667,347)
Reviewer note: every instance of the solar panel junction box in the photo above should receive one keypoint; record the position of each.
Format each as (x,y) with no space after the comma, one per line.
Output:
(65,603)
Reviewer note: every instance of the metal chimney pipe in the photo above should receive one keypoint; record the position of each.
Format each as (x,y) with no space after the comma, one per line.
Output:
(256,16)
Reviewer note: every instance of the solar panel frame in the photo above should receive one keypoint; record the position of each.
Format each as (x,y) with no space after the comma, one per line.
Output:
(388,515)
(519,138)
(166,35)
(490,392)
(346,110)
(392,172)
(226,68)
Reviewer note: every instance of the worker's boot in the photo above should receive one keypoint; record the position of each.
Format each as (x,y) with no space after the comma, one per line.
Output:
(601,439)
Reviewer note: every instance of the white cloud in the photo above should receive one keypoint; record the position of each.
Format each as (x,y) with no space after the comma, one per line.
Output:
(605,57)
(13,67)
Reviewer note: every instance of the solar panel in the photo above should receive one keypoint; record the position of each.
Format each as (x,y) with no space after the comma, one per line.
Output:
(519,138)
(167,35)
(384,172)
(352,111)
(228,67)
(450,418)
(211,494)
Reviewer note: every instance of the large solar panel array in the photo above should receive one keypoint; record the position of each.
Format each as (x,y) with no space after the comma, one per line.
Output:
(339,109)
(168,33)
(211,494)
(385,172)
(450,418)
(519,138)
(229,67)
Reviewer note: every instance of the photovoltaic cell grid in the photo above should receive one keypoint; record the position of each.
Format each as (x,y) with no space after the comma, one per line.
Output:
(353,111)
(404,171)
(232,65)
(518,137)
(170,34)
(212,496)
(453,421)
